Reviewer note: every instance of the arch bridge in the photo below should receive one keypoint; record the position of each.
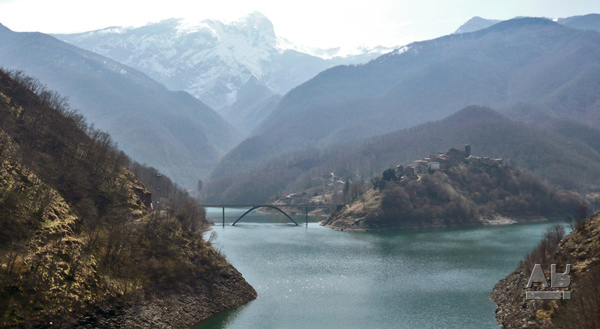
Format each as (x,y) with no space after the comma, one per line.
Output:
(273,206)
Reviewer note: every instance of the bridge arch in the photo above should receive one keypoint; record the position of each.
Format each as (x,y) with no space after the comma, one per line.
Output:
(262,206)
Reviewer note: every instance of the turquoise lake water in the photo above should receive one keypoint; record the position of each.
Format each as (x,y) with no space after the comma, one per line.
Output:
(315,277)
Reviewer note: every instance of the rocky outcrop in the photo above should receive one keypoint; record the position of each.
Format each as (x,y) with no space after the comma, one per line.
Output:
(180,308)
(513,310)
(581,249)
(186,307)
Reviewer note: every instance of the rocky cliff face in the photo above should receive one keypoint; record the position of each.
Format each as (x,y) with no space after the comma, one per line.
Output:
(78,246)
(581,249)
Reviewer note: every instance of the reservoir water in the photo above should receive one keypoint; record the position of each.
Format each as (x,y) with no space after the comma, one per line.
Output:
(315,277)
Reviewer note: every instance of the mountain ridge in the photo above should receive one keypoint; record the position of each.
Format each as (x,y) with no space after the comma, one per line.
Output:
(561,156)
(520,61)
(581,22)
(475,23)
(211,59)
(172,131)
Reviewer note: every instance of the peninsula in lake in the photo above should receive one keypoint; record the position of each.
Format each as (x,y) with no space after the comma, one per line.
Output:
(453,189)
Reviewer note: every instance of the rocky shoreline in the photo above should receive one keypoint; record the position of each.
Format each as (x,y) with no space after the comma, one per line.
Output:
(182,307)
(581,249)
(358,225)
(512,309)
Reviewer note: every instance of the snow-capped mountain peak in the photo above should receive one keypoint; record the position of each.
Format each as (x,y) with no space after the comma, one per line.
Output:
(257,21)
(211,59)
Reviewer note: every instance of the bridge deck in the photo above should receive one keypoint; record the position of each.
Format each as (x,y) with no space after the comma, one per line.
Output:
(274,206)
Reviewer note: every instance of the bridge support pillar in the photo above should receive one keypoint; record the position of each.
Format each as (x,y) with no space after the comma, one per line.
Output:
(306,215)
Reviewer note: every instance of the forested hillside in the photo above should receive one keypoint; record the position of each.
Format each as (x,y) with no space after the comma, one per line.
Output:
(563,153)
(584,22)
(78,245)
(254,102)
(453,189)
(550,68)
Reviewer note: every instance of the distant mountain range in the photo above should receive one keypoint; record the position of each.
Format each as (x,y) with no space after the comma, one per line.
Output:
(589,22)
(533,68)
(254,102)
(170,130)
(213,60)
(475,24)
(584,22)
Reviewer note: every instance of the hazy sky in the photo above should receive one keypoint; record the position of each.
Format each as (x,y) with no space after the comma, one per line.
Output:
(319,23)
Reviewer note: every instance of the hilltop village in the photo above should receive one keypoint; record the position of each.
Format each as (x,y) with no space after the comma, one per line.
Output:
(442,161)
(453,189)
